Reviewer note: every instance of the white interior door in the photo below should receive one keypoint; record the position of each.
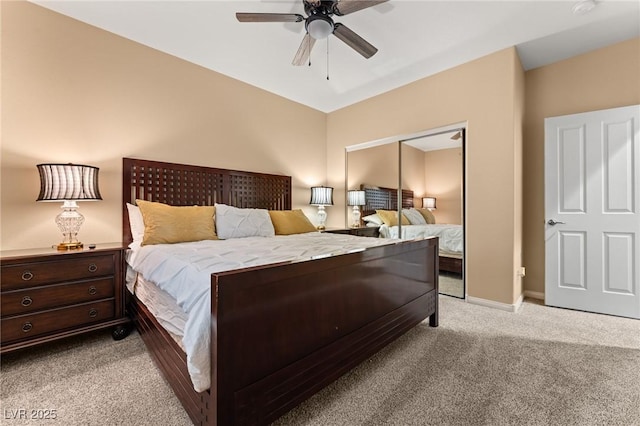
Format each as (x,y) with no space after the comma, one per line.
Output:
(592,197)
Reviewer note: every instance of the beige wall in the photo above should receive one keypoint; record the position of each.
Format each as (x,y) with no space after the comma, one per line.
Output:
(443,180)
(606,78)
(74,93)
(481,93)
(376,165)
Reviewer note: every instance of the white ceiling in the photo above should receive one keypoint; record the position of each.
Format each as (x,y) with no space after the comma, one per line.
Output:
(415,38)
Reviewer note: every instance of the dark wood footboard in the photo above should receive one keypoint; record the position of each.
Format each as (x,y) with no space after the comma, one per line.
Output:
(283,333)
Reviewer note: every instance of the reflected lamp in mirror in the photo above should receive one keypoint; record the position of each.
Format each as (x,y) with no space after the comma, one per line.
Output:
(356,198)
(321,196)
(429,203)
(68,183)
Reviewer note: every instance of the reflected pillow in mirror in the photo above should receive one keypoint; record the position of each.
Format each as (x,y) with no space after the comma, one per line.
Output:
(373,219)
(428,216)
(390,217)
(414,216)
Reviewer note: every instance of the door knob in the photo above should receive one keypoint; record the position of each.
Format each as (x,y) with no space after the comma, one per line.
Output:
(554,222)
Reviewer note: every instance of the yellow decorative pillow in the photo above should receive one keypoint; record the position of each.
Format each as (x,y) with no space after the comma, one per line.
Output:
(390,217)
(287,222)
(428,216)
(165,224)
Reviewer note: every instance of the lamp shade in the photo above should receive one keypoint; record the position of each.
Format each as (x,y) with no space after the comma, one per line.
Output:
(60,182)
(321,196)
(429,203)
(356,198)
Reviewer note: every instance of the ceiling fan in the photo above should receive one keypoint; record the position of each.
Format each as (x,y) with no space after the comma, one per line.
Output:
(320,25)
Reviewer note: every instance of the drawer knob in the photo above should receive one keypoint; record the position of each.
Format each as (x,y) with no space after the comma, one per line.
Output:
(93,267)
(26,327)
(93,313)
(27,275)
(92,290)
(26,301)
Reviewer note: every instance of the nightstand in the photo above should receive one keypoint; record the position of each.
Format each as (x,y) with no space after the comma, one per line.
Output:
(49,294)
(367,231)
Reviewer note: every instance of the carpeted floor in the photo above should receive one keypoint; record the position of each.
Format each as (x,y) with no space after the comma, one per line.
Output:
(540,366)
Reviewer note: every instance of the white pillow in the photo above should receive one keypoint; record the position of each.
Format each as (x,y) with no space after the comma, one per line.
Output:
(414,216)
(373,218)
(232,222)
(136,223)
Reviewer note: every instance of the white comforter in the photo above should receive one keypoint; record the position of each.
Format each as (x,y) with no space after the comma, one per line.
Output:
(450,236)
(184,271)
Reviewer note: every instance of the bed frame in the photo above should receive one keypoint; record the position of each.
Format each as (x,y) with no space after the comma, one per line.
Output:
(280,333)
(387,199)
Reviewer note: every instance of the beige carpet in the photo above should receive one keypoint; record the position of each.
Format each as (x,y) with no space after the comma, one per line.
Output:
(540,366)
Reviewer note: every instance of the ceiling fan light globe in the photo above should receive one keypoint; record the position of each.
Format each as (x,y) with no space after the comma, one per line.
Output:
(320,27)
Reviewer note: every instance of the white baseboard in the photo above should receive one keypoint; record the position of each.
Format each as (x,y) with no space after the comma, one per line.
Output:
(534,294)
(496,305)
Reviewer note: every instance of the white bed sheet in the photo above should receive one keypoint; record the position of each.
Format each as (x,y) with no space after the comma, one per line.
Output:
(161,305)
(450,236)
(184,272)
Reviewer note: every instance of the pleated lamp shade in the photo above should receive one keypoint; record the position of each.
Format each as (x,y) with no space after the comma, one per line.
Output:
(60,182)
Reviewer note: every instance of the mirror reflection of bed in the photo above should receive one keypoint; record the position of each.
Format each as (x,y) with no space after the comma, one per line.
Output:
(417,222)
(424,166)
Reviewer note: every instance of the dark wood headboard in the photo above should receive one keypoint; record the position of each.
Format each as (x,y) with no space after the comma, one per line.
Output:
(379,198)
(188,185)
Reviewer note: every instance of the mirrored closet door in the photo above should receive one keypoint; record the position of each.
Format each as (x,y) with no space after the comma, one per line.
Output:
(421,177)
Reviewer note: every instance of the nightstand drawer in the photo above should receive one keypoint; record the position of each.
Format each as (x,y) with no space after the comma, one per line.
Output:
(37,298)
(38,273)
(27,326)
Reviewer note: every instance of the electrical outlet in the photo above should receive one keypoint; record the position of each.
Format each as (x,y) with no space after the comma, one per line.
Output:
(521,271)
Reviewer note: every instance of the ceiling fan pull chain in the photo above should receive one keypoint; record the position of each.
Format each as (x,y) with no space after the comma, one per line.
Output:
(327,58)
(309,44)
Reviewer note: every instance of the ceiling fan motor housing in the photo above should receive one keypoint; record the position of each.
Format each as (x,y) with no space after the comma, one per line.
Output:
(326,7)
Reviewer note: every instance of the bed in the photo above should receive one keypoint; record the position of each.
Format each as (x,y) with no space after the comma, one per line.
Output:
(451,236)
(318,318)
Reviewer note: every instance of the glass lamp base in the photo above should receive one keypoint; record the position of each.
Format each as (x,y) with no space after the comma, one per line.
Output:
(356,217)
(322,218)
(69,222)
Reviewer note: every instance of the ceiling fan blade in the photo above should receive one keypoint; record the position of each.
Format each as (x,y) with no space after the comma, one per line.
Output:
(302,55)
(354,41)
(269,17)
(344,7)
